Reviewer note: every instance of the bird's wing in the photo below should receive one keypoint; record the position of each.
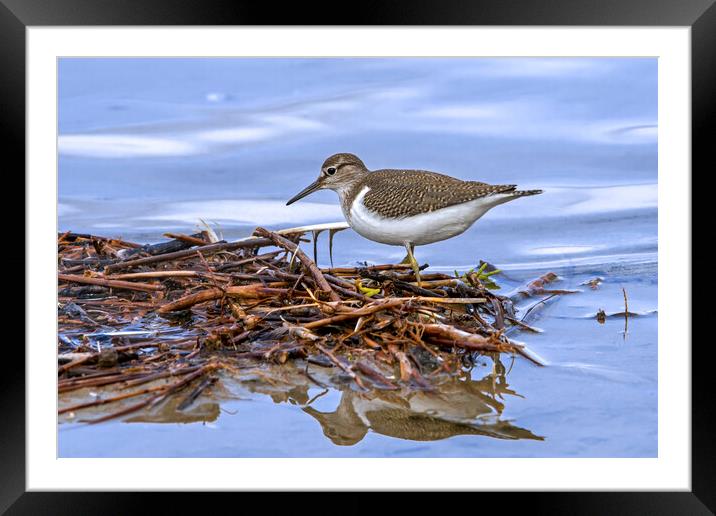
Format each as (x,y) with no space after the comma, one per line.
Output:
(404,193)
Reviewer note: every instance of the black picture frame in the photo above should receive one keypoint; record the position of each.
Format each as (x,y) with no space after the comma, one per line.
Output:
(700,15)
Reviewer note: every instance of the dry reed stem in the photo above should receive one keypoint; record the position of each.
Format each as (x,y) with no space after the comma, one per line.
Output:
(128,285)
(384,305)
(242,291)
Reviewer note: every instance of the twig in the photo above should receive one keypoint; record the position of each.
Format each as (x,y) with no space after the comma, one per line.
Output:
(383,305)
(626,313)
(189,239)
(476,342)
(128,285)
(346,368)
(241,291)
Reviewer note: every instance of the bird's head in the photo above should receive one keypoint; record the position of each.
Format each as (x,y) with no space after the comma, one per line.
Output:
(339,172)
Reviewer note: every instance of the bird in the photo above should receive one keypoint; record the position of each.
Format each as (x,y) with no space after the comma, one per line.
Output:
(406,207)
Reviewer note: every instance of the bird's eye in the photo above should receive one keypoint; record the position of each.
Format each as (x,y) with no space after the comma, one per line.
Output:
(331,170)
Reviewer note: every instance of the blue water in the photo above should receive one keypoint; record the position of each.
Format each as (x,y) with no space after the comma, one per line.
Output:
(152,145)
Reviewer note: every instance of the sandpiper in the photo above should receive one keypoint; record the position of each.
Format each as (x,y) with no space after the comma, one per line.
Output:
(407,207)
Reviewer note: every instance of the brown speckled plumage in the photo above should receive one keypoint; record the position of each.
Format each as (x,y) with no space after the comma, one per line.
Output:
(404,193)
(342,159)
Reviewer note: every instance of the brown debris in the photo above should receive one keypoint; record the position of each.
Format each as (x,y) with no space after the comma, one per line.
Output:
(537,287)
(307,262)
(214,306)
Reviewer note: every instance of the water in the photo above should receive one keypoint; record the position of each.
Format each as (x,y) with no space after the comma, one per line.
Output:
(148,146)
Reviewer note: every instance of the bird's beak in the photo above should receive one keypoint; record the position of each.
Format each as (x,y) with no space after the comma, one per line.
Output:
(316,185)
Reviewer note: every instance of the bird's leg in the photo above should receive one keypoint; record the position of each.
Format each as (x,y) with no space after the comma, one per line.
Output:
(406,258)
(413,262)
(331,232)
(315,233)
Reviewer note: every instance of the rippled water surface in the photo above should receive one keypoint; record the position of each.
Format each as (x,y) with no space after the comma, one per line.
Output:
(149,146)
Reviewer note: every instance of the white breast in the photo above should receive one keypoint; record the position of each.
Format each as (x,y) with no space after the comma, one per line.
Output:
(420,229)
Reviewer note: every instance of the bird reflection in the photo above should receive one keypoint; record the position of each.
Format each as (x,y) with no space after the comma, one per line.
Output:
(458,407)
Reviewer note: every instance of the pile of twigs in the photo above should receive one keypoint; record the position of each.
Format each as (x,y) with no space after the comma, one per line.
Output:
(154,320)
